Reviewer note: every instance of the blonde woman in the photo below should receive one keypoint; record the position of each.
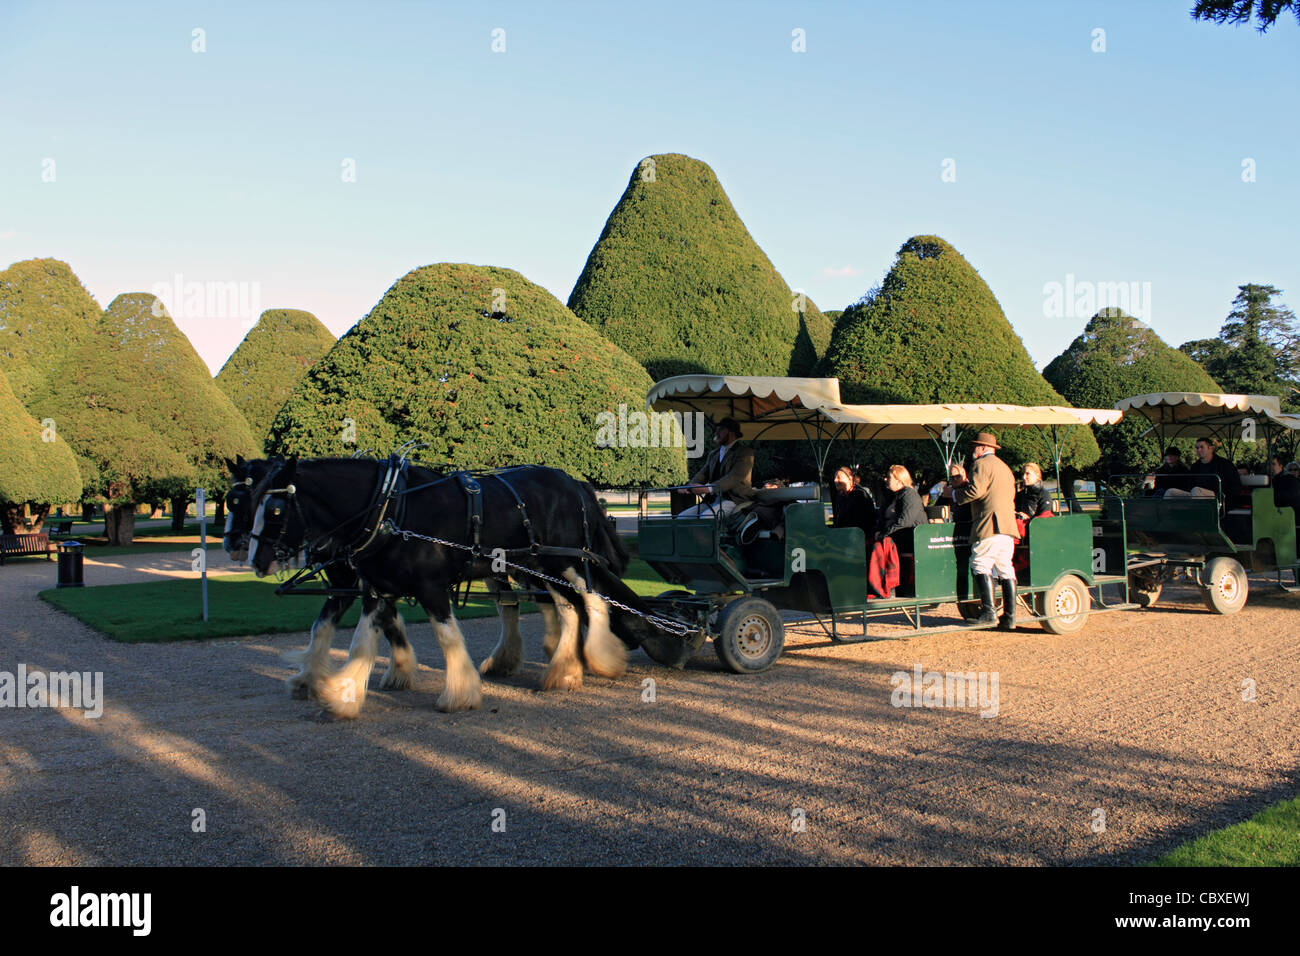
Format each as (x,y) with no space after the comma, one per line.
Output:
(1033,499)
(904,509)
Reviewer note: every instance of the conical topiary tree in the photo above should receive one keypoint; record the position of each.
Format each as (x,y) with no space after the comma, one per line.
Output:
(45,312)
(1116,357)
(934,332)
(36,468)
(139,408)
(487,369)
(678,283)
(274,356)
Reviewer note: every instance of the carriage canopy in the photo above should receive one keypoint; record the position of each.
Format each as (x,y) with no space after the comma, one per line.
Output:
(810,408)
(1226,417)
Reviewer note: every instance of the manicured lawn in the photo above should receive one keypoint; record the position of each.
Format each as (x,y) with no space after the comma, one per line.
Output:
(1269,838)
(147,540)
(238,604)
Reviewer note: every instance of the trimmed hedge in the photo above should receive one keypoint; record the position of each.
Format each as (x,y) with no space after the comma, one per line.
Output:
(677,282)
(486,368)
(276,353)
(45,312)
(1117,357)
(31,468)
(139,407)
(933,333)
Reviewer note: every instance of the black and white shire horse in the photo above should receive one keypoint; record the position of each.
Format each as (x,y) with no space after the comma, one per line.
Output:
(376,610)
(535,517)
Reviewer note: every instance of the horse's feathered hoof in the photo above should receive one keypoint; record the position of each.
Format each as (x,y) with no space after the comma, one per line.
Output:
(298,690)
(494,668)
(342,694)
(450,703)
(609,661)
(396,680)
(563,676)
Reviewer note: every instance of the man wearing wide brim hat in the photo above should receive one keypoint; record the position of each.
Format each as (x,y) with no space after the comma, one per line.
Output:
(990,490)
(726,478)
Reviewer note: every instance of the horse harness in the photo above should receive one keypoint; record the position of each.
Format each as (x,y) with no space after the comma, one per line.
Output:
(385,515)
(387,511)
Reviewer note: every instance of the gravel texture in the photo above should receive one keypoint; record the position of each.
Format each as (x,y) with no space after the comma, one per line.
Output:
(1140,716)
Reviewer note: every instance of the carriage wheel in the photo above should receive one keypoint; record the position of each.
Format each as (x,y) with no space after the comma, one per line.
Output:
(750,635)
(1065,606)
(1226,586)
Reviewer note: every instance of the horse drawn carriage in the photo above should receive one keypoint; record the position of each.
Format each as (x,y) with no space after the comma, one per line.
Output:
(733,590)
(1211,540)
(536,531)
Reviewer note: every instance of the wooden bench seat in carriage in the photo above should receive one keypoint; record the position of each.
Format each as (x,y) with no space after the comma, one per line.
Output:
(25,545)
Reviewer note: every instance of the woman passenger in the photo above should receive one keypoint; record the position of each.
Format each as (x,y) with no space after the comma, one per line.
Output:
(904,509)
(1033,500)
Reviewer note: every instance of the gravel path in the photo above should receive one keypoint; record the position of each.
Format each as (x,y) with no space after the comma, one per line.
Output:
(1140,717)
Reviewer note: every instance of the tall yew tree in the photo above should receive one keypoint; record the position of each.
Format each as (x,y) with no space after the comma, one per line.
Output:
(138,406)
(677,282)
(933,332)
(274,356)
(36,468)
(485,369)
(1117,357)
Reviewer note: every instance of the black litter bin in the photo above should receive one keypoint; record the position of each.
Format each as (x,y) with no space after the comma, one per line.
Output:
(71,554)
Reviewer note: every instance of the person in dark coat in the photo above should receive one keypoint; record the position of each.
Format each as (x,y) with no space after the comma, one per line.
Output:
(1286,487)
(1171,471)
(851,504)
(904,509)
(990,490)
(1034,499)
(1209,466)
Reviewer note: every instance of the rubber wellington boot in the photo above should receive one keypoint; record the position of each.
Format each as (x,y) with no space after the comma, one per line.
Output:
(1008,606)
(984,588)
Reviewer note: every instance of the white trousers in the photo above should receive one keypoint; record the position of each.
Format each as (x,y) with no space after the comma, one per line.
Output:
(993,556)
(706,510)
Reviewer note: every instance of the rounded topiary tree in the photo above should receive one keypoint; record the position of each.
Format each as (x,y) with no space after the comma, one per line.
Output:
(678,283)
(45,312)
(36,468)
(1117,357)
(139,408)
(485,368)
(274,356)
(933,332)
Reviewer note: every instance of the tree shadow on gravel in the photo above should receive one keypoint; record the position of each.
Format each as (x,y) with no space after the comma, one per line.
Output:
(810,762)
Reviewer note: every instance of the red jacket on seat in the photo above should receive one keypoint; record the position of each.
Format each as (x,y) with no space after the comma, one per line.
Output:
(883,569)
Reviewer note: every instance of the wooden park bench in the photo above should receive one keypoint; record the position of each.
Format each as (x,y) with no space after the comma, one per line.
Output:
(20,545)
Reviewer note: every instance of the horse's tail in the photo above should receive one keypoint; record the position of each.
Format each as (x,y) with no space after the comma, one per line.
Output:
(604,540)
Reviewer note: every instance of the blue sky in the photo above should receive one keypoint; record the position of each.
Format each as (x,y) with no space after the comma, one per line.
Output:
(227,165)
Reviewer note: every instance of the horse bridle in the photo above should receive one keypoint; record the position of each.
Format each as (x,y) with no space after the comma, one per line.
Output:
(275,510)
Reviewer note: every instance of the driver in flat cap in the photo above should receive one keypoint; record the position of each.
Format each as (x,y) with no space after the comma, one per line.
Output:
(991,492)
(725,479)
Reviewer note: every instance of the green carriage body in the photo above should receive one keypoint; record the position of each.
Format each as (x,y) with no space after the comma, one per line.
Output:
(1211,541)
(822,570)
